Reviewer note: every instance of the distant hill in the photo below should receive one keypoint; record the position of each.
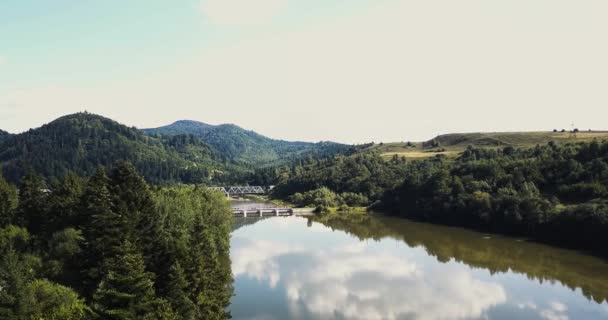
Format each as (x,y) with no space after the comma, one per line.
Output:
(245,146)
(83,141)
(184,152)
(516,139)
(452,145)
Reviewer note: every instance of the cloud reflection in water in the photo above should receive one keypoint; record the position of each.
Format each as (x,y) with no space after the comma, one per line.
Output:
(362,281)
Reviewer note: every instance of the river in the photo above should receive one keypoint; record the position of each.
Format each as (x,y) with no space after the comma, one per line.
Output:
(387,268)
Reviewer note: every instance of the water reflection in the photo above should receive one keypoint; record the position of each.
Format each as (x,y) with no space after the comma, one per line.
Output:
(492,252)
(290,268)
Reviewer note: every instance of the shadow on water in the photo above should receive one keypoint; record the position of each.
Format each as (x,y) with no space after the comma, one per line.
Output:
(241,222)
(498,254)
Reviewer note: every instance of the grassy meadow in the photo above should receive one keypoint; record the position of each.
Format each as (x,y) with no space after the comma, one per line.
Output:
(452,145)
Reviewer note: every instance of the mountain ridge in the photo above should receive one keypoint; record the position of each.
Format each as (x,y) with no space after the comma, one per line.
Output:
(80,142)
(242,145)
(83,141)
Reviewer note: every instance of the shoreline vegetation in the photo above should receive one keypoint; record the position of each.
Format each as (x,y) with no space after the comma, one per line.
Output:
(553,193)
(112,247)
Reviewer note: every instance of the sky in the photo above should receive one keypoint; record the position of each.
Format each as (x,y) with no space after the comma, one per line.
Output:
(350,71)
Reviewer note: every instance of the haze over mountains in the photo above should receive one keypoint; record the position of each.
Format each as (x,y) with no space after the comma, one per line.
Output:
(186,151)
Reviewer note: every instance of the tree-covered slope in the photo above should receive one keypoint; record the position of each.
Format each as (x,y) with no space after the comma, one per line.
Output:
(4,135)
(556,193)
(245,146)
(83,141)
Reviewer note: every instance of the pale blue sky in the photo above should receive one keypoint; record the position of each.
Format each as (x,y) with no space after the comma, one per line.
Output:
(344,70)
(51,42)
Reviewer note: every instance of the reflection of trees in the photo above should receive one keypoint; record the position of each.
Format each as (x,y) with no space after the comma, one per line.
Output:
(243,222)
(496,254)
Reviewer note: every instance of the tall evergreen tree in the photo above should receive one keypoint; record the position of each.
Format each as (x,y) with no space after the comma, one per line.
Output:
(133,200)
(127,291)
(131,195)
(32,204)
(154,242)
(104,229)
(207,286)
(64,202)
(177,293)
(8,201)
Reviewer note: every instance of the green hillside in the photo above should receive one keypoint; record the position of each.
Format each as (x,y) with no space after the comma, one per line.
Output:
(245,146)
(451,145)
(83,141)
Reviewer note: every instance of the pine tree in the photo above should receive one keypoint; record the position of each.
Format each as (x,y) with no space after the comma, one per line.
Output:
(177,293)
(154,243)
(8,201)
(104,229)
(132,199)
(127,291)
(131,194)
(32,204)
(206,281)
(64,202)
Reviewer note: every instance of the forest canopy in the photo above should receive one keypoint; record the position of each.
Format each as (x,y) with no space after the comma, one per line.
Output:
(554,192)
(111,247)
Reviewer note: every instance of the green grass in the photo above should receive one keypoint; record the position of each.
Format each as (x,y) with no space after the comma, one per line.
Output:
(451,145)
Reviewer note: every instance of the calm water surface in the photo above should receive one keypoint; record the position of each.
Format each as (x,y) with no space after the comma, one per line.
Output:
(385,268)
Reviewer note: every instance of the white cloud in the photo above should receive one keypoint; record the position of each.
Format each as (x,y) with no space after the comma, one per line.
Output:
(256,261)
(556,311)
(360,283)
(2,60)
(529,305)
(241,12)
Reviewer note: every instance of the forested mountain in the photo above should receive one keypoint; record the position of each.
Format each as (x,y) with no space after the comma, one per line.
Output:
(83,141)
(245,146)
(185,152)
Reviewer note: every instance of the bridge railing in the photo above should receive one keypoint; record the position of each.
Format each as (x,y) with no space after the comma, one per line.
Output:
(239,190)
(260,208)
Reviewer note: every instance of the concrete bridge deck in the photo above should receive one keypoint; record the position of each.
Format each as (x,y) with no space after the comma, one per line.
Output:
(262,212)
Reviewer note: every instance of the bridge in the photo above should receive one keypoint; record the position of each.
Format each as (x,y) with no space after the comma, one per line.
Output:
(238,190)
(262,212)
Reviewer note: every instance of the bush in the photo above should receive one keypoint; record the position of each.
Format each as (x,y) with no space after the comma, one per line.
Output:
(354,199)
(315,198)
(47,300)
